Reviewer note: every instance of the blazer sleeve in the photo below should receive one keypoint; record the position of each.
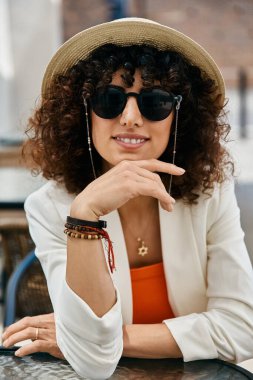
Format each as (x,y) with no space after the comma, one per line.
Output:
(92,345)
(225,329)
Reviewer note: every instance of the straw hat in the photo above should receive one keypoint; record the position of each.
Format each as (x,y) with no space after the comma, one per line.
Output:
(128,31)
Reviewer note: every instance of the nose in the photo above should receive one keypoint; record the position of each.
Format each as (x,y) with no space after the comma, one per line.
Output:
(131,116)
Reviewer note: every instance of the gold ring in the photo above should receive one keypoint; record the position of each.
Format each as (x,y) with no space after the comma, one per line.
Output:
(37,333)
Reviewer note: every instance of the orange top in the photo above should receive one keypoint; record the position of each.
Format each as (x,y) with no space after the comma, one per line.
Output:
(150,297)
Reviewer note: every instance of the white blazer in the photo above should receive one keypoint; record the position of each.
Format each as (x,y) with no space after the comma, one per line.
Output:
(208,275)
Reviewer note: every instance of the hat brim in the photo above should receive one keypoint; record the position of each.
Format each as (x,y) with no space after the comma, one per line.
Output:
(129,31)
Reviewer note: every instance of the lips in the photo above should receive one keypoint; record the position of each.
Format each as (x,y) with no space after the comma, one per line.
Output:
(130,138)
(130,141)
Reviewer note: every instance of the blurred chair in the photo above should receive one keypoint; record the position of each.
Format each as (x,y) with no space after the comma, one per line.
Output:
(27,293)
(15,242)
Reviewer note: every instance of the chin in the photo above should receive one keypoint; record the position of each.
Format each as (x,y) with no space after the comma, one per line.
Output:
(110,162)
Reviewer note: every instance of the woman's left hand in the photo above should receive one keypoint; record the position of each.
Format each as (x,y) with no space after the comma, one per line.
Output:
(40,329)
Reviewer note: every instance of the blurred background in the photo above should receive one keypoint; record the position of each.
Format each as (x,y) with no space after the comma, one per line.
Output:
(31,31)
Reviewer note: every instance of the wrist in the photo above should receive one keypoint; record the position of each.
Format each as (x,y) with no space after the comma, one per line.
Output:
(82,213)
(83,225)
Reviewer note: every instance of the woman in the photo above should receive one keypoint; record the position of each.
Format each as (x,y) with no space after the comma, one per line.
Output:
(130,130)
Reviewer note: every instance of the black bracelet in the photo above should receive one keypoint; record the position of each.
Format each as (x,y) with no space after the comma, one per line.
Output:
(86,223)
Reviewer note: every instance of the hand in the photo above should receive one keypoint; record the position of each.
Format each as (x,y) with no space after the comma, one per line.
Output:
(27,328)
(127,180)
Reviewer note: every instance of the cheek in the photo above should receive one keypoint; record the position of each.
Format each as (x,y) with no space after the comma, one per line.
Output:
(164,135)
(100,132)
(95,131)
(94,136)
(162,144)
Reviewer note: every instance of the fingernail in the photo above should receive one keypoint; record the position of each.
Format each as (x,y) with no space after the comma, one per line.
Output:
(170,208)
(4,335)
(180,170)
(173,200)
(17,353)
(5,343)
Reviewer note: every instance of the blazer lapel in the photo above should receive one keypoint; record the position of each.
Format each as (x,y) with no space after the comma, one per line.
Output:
(184,276)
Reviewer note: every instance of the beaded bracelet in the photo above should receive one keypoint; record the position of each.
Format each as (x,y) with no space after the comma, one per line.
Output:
(87,236)
(77,227)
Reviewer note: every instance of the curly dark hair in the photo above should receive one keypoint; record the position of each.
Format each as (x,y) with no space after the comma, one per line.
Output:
(58,143)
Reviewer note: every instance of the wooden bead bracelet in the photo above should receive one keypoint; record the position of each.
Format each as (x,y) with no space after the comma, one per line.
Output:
(88,236)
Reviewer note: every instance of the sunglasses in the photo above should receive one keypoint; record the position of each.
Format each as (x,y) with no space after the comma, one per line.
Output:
(155,104)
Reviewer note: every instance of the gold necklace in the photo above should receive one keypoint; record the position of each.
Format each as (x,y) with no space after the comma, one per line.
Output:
(143,248)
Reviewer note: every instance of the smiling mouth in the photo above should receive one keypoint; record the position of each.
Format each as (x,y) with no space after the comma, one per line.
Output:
(127,140)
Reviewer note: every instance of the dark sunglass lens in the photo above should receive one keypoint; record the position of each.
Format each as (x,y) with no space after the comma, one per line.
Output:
(156,104)
(108,103)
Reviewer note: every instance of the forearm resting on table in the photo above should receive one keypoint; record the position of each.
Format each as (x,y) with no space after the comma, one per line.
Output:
(153,341)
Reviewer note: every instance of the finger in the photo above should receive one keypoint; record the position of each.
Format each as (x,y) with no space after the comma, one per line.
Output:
(16,327)
(41,321)
(152,165)
(135,171)
(167,206)
(145,173)
(151,188)
(40,346)
(27,333)
(166,200)
(155,165)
